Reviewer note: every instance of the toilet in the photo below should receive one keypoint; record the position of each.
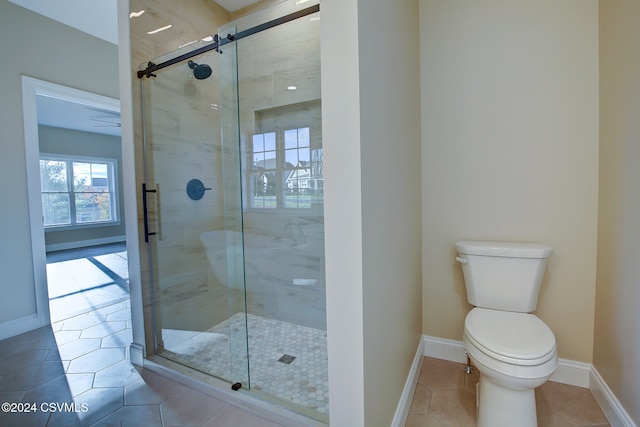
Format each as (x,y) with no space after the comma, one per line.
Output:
(513,349)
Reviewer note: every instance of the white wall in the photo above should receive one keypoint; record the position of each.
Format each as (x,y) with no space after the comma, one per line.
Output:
(343,209)
(370,94)
(510,151)
(38,47)
(617,318)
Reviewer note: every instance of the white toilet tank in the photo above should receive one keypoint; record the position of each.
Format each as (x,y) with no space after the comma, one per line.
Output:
(503,275)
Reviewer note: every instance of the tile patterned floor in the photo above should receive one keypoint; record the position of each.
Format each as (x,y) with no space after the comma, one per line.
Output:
(84,361)
(445,396)
(85,279)
(303,382)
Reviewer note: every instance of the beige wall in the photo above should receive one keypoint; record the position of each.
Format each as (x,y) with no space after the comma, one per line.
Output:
(510,151)
(617,318)
(372,209)
(38,47)
(391,238)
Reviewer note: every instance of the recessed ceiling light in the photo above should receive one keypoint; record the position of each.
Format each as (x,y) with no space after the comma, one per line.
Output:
(157,30)
(136,14)
(207,39)
(292,87)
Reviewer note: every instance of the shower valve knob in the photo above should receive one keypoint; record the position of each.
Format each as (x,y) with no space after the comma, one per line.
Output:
(196,189)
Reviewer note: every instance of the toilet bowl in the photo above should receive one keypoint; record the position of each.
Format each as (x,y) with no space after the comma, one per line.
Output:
(515,353)
(514,350)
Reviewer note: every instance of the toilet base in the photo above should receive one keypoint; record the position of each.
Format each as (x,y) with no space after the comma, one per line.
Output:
(497,406)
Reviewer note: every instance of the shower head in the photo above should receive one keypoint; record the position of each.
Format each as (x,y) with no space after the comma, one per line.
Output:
(200,71)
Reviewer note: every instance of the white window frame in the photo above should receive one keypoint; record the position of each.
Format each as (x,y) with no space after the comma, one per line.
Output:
(112,165)
(280,168)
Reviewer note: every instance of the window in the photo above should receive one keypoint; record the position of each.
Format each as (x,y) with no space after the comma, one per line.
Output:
(265,170)
(77,191)
(286,170)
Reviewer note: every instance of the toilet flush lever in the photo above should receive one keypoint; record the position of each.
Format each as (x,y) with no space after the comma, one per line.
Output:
(461,260)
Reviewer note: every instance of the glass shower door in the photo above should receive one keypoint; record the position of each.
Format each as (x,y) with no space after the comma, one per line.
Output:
(192,222)
(233,221)
(234,208)
(272,80)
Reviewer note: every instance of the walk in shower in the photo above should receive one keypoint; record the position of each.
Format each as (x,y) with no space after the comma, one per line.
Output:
(233,206)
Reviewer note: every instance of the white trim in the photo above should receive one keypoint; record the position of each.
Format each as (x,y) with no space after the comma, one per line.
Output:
(31,88)
(402,411)
(114,190)
(568,372)
(608,402)
(14,327)
(129,184)
(445,349)
(85,243)
(572,372)
(136,354)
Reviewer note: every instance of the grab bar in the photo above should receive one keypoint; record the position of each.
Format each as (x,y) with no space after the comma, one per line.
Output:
(145,214)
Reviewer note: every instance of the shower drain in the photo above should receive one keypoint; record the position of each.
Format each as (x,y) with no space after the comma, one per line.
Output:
(287,359)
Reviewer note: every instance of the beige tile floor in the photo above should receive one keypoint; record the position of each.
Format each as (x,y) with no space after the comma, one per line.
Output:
(445,396)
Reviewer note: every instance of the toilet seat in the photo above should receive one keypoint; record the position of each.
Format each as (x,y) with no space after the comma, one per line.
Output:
(516,338)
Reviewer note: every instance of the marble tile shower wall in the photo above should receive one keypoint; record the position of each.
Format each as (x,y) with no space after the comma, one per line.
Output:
(267,65)
(185,144)
(183,140)
(177,125)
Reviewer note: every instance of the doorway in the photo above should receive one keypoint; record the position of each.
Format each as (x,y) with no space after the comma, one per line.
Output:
(95,110)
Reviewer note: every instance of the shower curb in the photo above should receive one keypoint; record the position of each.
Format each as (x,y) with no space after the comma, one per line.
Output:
(220,390)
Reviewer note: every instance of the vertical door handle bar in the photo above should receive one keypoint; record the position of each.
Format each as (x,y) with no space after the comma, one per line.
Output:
(145,213)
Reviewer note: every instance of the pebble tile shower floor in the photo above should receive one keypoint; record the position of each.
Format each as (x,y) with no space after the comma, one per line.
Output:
(303,382)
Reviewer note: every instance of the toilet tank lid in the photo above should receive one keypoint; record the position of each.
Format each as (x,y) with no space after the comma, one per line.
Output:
(504,249)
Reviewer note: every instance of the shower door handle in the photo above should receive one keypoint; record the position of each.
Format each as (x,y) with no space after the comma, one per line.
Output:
(145,213)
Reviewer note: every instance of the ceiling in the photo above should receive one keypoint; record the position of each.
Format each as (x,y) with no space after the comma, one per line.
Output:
(70,115)
(98,18)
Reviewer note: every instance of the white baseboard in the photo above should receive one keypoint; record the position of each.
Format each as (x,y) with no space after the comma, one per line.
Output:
(136,354)
(608,402)
(444,349)
(14,327)
(568,372)
(402,411)
(85,243)
(572,372)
